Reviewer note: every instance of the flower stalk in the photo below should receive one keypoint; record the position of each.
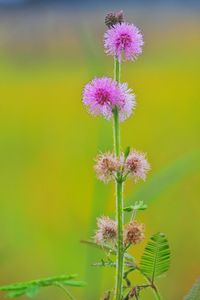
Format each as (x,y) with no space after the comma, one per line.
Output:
(119,197)
(120,247)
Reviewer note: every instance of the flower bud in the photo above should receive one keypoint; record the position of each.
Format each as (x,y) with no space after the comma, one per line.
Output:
(113,18)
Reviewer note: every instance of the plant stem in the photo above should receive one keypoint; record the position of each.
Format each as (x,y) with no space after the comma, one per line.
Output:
(116,127)
(117,69)
(116,131)
(156,293)
(69,295)
(152,285)
(120,247)
(119,198)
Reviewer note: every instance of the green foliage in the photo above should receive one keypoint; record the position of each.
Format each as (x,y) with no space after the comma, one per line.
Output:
(103,263)
(139,205)
(194,293)
(31,288)
(155,260)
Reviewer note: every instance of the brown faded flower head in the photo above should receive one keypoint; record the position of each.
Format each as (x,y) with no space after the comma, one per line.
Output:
(133,233)
(106,230)
(106,167)
(136,165)
(114,18)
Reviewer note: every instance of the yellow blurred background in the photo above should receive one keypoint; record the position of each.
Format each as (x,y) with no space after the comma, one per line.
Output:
(49,196)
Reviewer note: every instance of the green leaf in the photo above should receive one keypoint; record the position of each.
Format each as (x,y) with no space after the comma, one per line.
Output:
(139,205)
(155,260)
(126,152)
(31,288)
(74,283)
(32,291)
(194,293)
(16,293)
(104,263)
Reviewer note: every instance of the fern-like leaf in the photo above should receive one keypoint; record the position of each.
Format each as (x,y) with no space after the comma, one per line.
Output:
(31,288)
(194,293)
(155,260)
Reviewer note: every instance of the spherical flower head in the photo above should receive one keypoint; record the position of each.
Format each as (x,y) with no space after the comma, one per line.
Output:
(106,230)
(124,39)
(106,167)
(101,95)
(136,165)
(134,233)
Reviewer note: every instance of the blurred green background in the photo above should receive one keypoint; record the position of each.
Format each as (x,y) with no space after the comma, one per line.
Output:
(49,196)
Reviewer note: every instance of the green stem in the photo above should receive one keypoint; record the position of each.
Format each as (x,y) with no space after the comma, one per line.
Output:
(119,199)
(152,285)
(116,131)
(69,295)
(120,246)
(116,127)
(117,69)
(156,293)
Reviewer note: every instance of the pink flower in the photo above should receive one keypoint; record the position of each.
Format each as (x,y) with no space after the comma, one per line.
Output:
(123,38)
(106,167)
(136,165)
(106,230)
(101,95)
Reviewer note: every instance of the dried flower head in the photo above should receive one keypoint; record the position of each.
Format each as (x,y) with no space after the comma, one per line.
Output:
(101,95)
(106,230)
(112,19)
(133,233)
(136,165)
(106,166)
(123,38)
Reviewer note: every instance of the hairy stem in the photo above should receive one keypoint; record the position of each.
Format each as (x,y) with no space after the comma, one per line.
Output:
(120,250)
(119,199)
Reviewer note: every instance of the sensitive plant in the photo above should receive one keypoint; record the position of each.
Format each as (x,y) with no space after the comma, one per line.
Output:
(114,100)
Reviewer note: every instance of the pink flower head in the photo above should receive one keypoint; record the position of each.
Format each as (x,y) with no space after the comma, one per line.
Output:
(101,95)
(123,38)
(136,165)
